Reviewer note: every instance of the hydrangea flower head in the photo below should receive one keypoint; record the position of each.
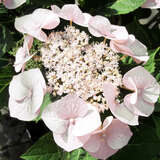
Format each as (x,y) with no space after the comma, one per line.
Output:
(75,66)
(83,77)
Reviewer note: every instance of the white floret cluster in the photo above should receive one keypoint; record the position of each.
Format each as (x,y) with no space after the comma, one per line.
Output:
(74,65)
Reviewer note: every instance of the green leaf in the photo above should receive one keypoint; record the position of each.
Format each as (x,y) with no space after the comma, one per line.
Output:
(6,74)
(46,100)
(80,154)
(157,105)
(150,65)
(143,151)
(43,149)
(6,40)
(3,10)
(4,97)
(144,144)
(124,6)
(157,124)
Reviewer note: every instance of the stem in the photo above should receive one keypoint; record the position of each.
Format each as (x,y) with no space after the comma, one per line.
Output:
(124,56)
(104,41)
(70,22)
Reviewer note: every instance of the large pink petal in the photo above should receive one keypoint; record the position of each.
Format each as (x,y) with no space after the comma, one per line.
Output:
(32,77)
(103,152)
(93,120)
(20,57)
(45,18)
(22,111)
(52,121)
(87,17)
(72,12)
(141,77)
(37,96)
(99,26)
(151,93)
(55,9)
(68,141)
(16,88)
(28,41)
(33,23)
(12,4)
(24,24)
(141,107)
(71,107)
(120,111)
(106,123)
(26,94)
(118,134)
(120,47)
(39,34)
(93,144)
(131,47)
(27,25)
(119,33)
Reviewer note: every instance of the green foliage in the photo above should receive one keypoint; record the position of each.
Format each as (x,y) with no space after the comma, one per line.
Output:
(6,74)
(46,149)
(150,65)
(43,149)
(46,101)
(157,124)
(6,40)
(80,154)
(123,6)
(144,144)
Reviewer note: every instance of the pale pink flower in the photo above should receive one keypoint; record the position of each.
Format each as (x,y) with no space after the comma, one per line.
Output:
(107,140)
(26,92)
(22,55)
(72,12)
(146,91)
(131,47)
(33,23)
(119,110)
(152,4)
(12,4)
(140,103)
(71,118)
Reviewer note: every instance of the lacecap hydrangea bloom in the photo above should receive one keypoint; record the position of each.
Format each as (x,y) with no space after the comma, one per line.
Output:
(85,75)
